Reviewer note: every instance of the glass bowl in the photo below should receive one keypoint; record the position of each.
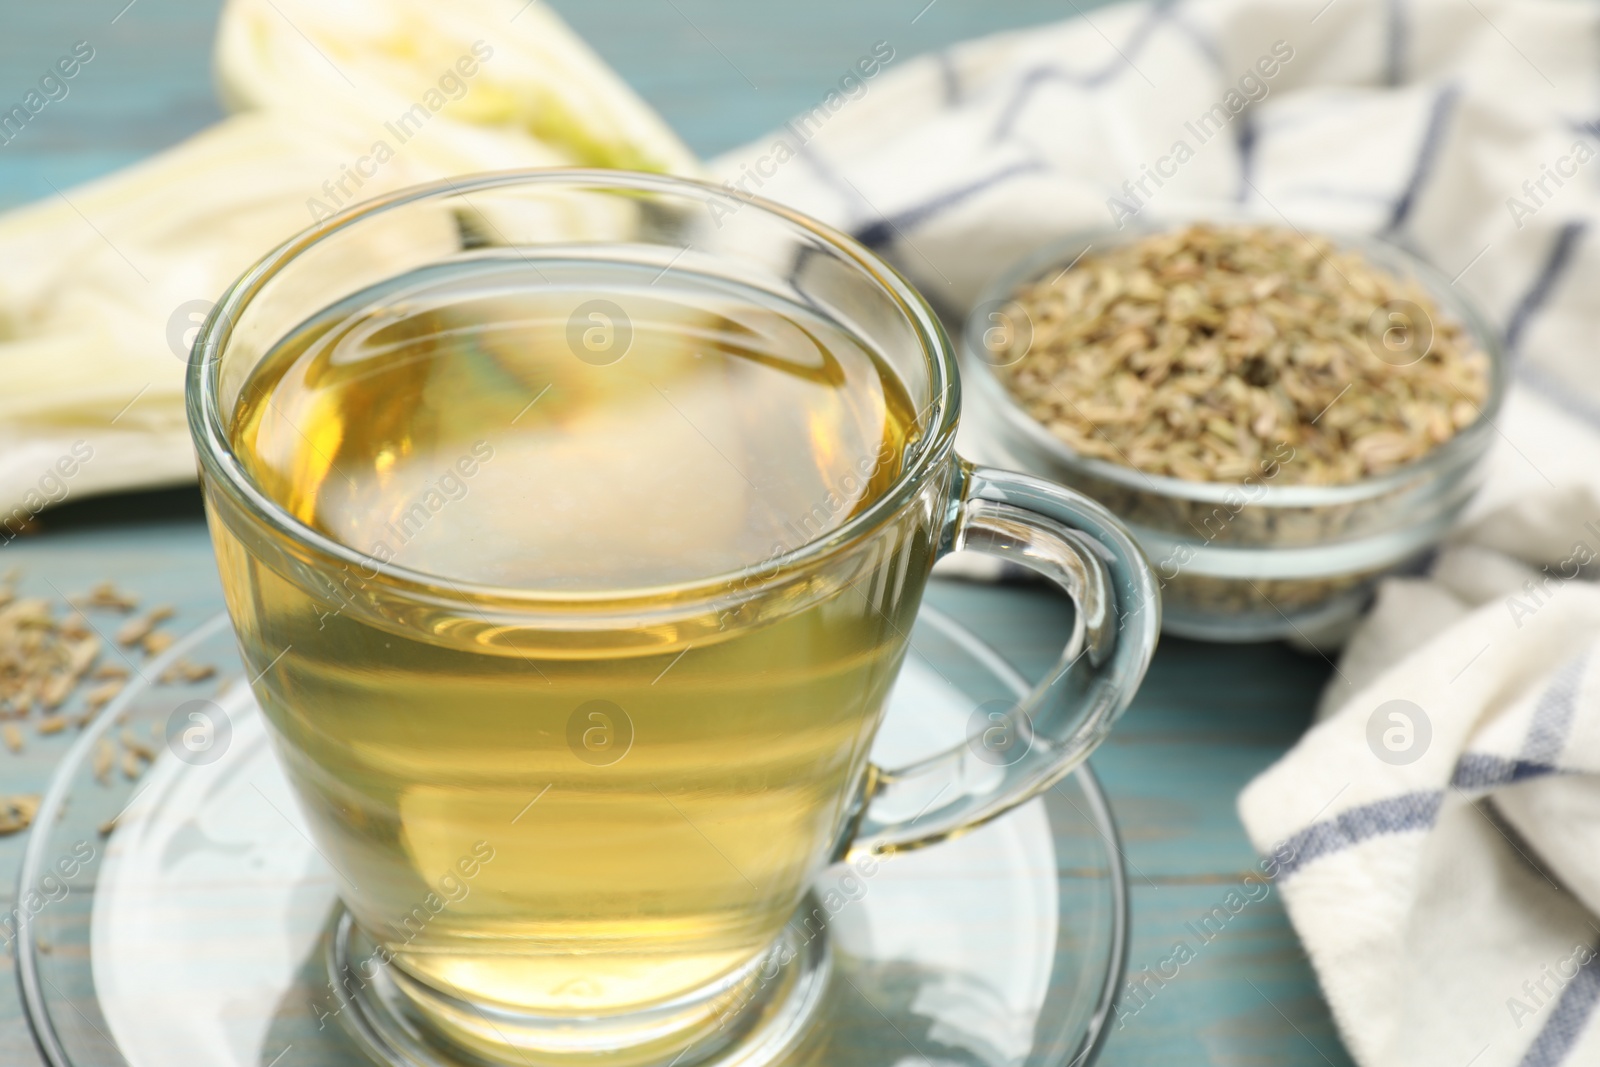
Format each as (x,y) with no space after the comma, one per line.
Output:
(1244,561)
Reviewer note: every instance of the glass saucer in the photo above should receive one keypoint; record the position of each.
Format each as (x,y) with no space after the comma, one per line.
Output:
(183,916)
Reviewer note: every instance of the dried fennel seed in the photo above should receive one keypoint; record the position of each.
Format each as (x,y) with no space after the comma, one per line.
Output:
(183,670)
(137,630)
(41,661)
(105,757)
(106,596)
(1199,353)
(102,694)
(45,662)
(137,745)
(156,643)
(17,812)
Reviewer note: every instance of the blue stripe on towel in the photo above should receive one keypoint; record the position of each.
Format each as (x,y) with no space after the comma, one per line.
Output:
(1478,772)
(1396,45)
(803,257)
(1552,716)
(1475,772)
(1249,137)
(1558,394)
(830,177)
(880,233)
(1397,815)
(949,78)
(1030,81)
(1533,300)
(1571,1014)
(1444,106)
(1126,56)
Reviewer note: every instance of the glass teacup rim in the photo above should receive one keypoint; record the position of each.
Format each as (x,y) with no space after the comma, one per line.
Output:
(216,455)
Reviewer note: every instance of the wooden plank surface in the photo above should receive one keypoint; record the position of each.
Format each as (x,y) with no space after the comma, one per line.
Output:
(1208,718)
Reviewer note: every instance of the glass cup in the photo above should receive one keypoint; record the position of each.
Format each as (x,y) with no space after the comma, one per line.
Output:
(577,822)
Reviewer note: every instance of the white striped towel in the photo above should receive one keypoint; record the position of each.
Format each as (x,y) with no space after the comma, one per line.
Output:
(1442,825)
(1447,903)
(1419,120)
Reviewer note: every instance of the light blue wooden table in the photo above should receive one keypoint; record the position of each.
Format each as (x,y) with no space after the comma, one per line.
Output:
(1207,720)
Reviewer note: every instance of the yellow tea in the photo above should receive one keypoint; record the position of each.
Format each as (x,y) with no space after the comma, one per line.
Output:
(589,826)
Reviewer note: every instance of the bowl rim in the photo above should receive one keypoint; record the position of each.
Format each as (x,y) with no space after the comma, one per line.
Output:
(1463,449)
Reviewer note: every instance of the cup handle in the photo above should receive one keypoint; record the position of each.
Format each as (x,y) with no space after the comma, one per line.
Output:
(1083,548)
